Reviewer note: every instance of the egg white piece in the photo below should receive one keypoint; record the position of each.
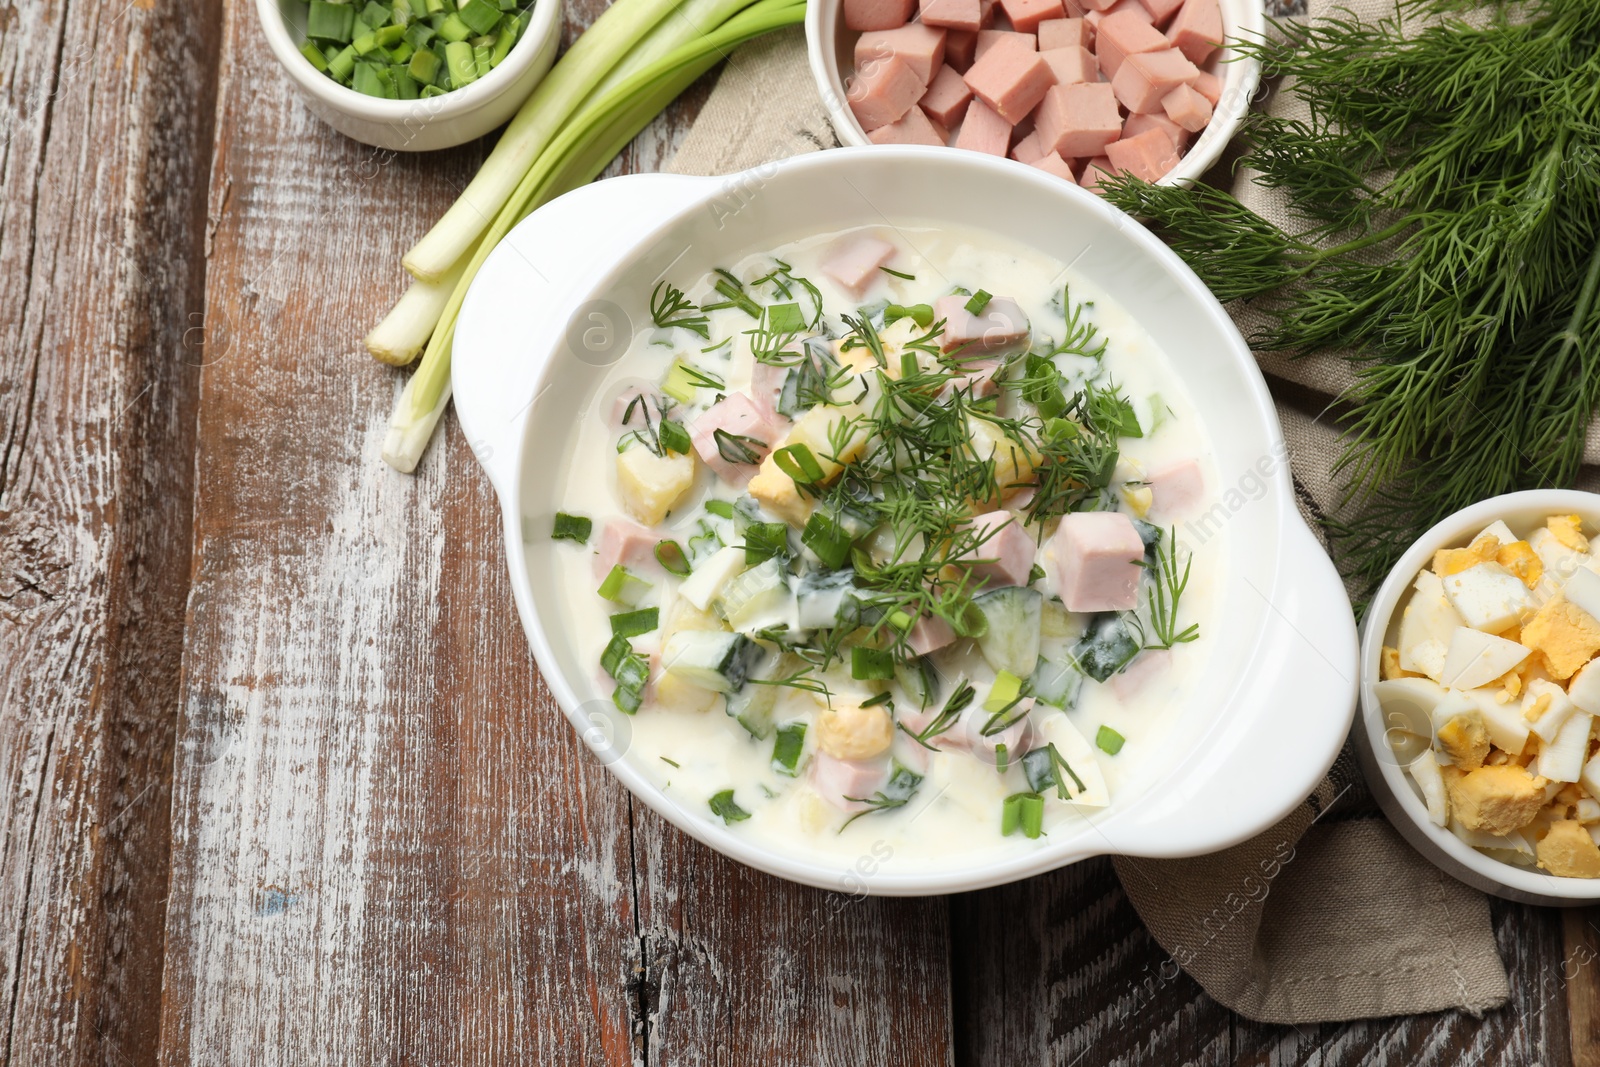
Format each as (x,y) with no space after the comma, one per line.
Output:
(1561,760)
(1475,658)
(1487,597)
(1425,772)
(1426,626)
(1558,709)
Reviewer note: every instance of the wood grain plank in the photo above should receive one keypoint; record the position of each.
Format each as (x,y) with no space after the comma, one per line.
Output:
(1060,970)
(103,157)
(1581,973)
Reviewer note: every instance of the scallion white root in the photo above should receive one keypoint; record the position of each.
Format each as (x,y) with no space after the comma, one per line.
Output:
(404,332)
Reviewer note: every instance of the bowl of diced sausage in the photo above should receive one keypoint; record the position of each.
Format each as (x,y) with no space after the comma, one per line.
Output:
(1081,89)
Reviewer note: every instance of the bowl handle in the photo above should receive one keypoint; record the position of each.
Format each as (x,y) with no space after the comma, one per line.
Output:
(1307,675)
(520,308)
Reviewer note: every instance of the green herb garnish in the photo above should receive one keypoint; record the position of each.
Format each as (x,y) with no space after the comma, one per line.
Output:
(572,528)
(669,307)
(723,806)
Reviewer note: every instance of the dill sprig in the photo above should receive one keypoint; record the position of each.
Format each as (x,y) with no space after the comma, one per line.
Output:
(669,307)
(1447,188)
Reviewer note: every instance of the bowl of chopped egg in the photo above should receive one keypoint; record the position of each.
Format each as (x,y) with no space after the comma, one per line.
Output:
(1480,696)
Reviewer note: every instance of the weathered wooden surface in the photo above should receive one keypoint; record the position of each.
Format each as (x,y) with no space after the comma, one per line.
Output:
(281,782)
(103,158)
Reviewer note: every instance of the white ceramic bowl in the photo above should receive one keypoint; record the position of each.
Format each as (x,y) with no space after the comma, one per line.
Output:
(831,49)
(444,121)
(1396,793)
(1273,704)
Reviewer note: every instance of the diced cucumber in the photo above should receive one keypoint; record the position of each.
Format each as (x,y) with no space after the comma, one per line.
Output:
(712,659)
(1011,640)
(1108,647)
(787,747)
(753,706)
(758,598)
(919,680)
(1057,622)
(1056,684)
(1150,534)
(710,576)
(822,596)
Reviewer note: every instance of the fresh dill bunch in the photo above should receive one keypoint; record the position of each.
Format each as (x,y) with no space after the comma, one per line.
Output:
(1448,190)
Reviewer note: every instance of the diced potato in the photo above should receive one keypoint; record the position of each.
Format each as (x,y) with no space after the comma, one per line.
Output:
(650,484)
(1495,800)
(1568,850)
(1013,463)
(673,693)
(815,429)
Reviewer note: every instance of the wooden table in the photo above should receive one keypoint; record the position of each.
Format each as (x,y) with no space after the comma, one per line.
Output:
(282,785)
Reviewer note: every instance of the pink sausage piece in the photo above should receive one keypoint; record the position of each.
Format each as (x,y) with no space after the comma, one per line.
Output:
(1001,326)
(1015,736)
(854,262)
(984,131)
(1025,15)
(1094,170)
(837,780)
(1072,66)
(1064,33)
(1007,550)
(1148,156)
(914,128)
(947,97)
(1137,124)
(1196,30)
(965,15)
(1027,150)
(1123,34)
(883,91)
(919,47)
(929,634)
(1186,107)
(1096,5)
(1132,7)
(862,15)
(626,543)
(960,49)
(766,386)
(1161,10)
(990,39)
(734,414)
(1078,121)
(1010,80)
(1176,490)
(1145,669)
(1209,86)
(1054,164)
(1147,78)
(1098,556)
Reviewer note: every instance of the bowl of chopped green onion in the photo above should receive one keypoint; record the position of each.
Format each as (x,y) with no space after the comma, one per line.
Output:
(413,75)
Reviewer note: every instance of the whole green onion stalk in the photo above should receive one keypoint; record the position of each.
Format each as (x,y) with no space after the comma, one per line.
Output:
(576,155)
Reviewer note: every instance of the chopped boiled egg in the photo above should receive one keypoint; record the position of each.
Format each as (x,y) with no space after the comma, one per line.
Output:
(1565,636)
(1495,799)
(1487,597)
(1561,759)
(1583,589)
(1546,708)
(1584,689)
(1425,772)
(1475,658)
(1425,627)
(1567,849)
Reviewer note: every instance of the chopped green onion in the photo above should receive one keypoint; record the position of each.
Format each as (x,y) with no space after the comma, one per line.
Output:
(502,45)
(670,555)
(784,318)
(871,664)
(824,536)
(737,447)
(572,528)
(314,54)
(458,60)
(1035,573)
(674,438)
(763,540)
(979,301)
(679,383)
(629,669)
(786,748)
(634,623)
(480,15)
(1109,741)
(343,65)
(1022,811)
(721,508)
(921,314)
(622,586)
(722,805)
(1004,693)
(424,66)
(330,22)
(798,463)
(454,30)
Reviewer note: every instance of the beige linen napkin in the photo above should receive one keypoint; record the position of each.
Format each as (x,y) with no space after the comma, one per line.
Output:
(1327,916)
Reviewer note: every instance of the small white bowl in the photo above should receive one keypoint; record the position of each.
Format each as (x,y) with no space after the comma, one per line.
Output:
(444,121)
(1396,793)
(832,53)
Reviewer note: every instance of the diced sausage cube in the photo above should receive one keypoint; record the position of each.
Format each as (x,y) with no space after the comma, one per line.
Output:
(1075,9)
(1137,124)
(1002,325)
(860,15)
(626,544)
(1007,550)
(919,47)
(1147,157)
(1209,86)
(1027,150)
(947,97)
(929,634)
(1025,15)
(1099,559)
(1094,170)
(914,128)
(1072,66)
(1187,108)
(883,91)
(839,780)
(1121,35)
(766,387)
(1132,7)
(1078,120)
(984,131)
(1010,80)
(1176,490)
(1054,164)
(854,261)
(735,415)
(1145,79)
(1136,676)
(1097,5)
(988,39)
(952,14)
(1161,10)
(1064,33)
(960,49)
(1196,30)
(985,14)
